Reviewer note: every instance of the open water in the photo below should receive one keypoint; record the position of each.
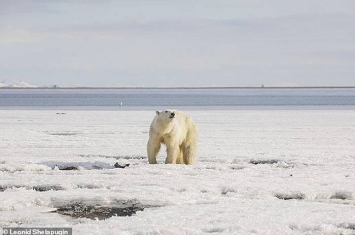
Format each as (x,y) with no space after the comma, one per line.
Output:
(308,98)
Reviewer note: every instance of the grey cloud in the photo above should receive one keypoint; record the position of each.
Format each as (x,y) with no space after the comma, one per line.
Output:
(75,46)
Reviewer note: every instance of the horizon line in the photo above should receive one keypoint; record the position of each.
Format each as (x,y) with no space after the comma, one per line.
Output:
(181,87)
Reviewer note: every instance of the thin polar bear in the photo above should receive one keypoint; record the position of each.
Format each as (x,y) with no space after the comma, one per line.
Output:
(178,132)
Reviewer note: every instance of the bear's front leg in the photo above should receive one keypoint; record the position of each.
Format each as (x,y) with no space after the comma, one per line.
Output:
(153,148)
(172,153)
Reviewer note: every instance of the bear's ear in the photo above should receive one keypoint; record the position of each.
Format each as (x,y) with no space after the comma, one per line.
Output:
(157,112)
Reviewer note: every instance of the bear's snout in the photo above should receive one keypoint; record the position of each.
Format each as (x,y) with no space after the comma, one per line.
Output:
(172,115)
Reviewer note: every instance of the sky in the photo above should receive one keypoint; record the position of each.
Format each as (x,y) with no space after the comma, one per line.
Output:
(178,42)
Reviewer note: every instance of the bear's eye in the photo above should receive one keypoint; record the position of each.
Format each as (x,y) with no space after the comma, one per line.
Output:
(166,111)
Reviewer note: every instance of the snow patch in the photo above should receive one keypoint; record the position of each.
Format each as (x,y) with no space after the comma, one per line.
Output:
(39,188)
(290,196)
(214,230)
(342,195)
(324,228)
(319,197)
(263,161)
(226,190)
(11,168)
(100,210)
(69,133)
(274,162)
(131,157)
(78,165)
(237,167)
(350,226)
(91,186)
(44,188)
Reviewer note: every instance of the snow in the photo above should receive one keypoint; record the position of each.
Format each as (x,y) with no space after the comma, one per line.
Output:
(16,84)
(258,172)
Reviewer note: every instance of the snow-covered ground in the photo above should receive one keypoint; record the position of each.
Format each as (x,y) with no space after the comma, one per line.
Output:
(15,84)
(258,172)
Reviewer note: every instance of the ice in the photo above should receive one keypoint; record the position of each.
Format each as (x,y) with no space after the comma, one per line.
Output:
(78,165)
(258,172)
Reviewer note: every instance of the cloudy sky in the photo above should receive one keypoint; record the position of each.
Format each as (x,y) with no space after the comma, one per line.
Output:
(178,42)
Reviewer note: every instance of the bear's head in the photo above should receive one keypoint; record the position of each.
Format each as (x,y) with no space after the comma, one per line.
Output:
(166,115)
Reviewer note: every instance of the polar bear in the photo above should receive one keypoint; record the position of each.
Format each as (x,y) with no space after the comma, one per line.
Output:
(178,132)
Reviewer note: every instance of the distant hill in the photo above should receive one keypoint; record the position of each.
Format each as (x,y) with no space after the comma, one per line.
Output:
(16,84)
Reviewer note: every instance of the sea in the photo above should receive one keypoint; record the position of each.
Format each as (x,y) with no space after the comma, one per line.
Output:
(187,98)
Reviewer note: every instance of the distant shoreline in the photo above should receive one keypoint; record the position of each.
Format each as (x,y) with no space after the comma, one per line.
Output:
(172,88)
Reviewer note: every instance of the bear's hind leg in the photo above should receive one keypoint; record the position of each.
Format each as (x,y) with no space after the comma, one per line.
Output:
(190,154)
(180,159)
(153,148)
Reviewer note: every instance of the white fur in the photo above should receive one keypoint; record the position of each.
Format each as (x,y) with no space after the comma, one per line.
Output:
(179,134)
